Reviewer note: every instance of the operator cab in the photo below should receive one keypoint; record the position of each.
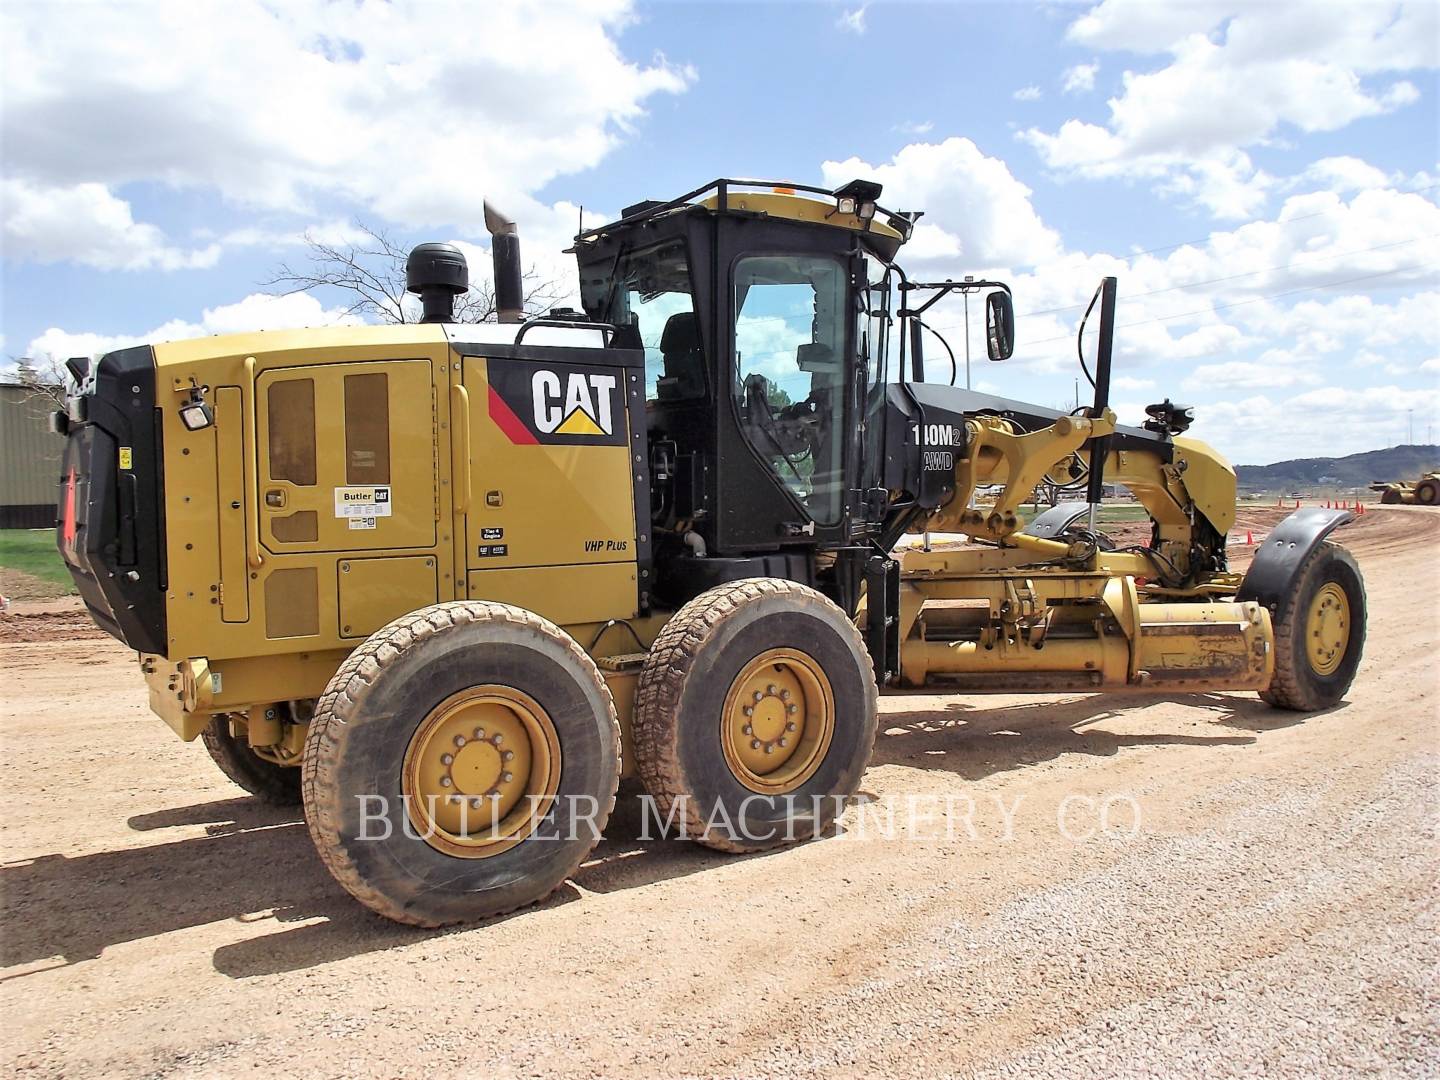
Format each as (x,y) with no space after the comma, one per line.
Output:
(764,387)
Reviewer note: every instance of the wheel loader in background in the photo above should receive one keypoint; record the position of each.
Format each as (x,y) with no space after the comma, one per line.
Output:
(448,584)
(1424,492)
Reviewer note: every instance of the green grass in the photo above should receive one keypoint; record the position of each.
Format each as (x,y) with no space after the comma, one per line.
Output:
(32,551)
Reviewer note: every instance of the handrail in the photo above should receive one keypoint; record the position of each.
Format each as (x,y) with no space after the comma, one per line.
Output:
(722,187)
(460,424)
(251,463)
(607,330)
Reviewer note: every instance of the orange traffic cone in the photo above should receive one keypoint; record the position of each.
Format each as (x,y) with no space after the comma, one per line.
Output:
(1249,538)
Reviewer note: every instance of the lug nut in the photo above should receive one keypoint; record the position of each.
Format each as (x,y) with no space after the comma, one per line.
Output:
(444,781)
(790,726)
(754,744)
(769,748)
(747,730)
(508,755)
(447,759)
(782,740)
(459,740)
(758,695)
(772,689)
(784,695)
(748,710)
(497,740)
(474,804)
(508,777)
(792,709)
(479,732)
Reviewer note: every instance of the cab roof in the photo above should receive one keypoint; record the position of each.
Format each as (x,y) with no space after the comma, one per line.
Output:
(886,231)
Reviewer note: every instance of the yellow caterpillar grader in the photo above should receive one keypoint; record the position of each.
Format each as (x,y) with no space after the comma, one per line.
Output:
(1424,492)
(447,584)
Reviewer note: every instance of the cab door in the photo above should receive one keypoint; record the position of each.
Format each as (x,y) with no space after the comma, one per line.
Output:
(346,457)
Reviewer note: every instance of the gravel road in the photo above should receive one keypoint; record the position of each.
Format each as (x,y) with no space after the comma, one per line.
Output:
(1028,886)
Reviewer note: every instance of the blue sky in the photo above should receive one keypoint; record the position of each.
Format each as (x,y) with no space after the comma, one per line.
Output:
(160,166)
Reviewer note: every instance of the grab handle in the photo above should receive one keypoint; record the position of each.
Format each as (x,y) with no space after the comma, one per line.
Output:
(460,424)
(251,462)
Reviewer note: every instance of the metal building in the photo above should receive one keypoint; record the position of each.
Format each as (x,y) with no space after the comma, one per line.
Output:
(29,459)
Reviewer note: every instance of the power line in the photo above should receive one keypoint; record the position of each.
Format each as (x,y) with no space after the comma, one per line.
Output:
(1243,303)
(1287,221)
(1235,277)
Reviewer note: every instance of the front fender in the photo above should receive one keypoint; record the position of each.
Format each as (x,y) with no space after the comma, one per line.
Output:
(1271,577)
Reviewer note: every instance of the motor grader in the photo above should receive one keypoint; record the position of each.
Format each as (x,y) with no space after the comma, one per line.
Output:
(448,584)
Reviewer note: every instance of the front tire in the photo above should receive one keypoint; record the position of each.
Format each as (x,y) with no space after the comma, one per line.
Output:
(1319,642)
(1427,493)
(755,715)
(462,763)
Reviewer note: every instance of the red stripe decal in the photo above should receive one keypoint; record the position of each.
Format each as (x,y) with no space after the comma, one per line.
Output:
(506,420)
(67,526)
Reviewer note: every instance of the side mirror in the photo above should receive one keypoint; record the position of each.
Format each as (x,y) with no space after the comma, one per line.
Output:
(999,325)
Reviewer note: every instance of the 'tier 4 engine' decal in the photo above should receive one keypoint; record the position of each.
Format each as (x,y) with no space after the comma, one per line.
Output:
(564,404)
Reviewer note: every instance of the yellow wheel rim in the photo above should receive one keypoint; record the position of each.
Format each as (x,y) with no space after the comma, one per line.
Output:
(481,771)
(777,722)
(1327,629)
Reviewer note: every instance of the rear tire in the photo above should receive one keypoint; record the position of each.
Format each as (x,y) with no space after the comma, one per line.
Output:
(278,785)
(1427,493)
(739,780)
(1319,642)
(460,705)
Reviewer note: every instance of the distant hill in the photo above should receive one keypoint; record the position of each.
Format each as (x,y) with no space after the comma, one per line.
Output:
(1353,470)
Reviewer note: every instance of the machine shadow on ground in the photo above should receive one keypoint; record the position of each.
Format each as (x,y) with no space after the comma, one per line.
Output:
(62,909)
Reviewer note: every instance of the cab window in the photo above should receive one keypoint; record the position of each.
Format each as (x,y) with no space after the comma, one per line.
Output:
(789,372)
(651,299)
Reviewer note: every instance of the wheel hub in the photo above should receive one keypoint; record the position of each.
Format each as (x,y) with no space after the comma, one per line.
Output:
(1327,629)
(777,721)
(481,769)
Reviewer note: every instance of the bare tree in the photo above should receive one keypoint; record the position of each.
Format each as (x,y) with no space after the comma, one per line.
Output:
(371,274)
(44,378)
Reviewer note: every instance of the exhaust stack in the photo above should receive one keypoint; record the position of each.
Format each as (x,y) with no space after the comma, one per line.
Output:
(505,249)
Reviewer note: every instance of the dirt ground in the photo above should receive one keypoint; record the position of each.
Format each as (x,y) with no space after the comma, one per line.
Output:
(1263,901)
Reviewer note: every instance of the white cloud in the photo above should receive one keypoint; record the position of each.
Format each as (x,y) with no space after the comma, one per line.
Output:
(1185,125)
(258,311)
(913,127)
(976,211)
(1325,421)
(411,111)
(1341,174)
(1248,375)
(1079,79)
(1203,324)
(853,21)
(1131,384)
(85,223)
(1028,93)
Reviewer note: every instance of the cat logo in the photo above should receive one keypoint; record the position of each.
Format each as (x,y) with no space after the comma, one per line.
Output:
(557,404)
(582,407)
